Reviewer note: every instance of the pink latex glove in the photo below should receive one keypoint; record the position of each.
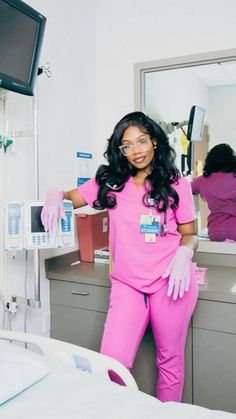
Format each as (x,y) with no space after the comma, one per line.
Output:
(179,272)
(53,209)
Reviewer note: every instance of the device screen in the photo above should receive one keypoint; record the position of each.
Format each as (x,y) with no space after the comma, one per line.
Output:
(36,224)
(196,122)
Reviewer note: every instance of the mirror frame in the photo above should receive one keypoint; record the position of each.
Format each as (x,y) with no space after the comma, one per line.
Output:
(142,68)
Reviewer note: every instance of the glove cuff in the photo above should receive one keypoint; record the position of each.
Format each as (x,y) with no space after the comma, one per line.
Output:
(55,193)
(187,251)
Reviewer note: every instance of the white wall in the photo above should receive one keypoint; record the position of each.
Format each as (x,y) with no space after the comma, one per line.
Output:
(67,100)
(134,31)
(66,117)
(170,95)
(92,47)
(222,115)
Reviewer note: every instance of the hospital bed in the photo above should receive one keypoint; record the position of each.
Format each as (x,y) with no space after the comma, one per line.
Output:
(62,380)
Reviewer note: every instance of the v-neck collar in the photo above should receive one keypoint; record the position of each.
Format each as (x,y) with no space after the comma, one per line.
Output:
(140,188)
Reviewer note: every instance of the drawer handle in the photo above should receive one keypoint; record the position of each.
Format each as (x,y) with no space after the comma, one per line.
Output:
(80,293)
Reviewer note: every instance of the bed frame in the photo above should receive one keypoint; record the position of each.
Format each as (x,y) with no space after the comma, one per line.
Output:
(101,365)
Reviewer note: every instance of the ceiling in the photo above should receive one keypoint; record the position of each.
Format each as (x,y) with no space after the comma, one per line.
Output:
(216,74)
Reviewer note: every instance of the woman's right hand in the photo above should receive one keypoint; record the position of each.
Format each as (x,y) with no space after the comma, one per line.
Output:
(53,209)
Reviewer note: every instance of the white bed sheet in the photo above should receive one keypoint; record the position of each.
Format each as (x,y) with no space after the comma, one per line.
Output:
(71,394)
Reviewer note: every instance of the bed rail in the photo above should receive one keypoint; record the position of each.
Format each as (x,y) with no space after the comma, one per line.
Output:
(76,356)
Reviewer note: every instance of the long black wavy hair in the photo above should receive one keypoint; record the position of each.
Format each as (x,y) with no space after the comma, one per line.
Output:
(114,175)
(220,158)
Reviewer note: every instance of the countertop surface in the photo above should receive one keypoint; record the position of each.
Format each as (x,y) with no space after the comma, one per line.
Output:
(220,280)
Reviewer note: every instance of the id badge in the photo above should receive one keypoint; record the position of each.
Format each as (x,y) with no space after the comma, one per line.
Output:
(150,227)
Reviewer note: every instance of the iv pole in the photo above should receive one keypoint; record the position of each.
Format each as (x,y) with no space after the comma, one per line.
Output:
(3,98)
(36,303)
(4,143)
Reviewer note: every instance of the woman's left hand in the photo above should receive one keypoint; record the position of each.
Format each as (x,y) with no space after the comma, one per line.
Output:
(179,272)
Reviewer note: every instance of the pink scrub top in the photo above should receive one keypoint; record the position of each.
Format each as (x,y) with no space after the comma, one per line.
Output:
(219,191)
(135,262)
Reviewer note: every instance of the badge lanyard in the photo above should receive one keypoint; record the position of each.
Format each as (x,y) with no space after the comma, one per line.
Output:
(151,226)
(164,228)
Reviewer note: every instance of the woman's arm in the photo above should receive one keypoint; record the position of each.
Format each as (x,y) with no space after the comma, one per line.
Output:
(195,185)
(76,198)
(189,235)
(53,207)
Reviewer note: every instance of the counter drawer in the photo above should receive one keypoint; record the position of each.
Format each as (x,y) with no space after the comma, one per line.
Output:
(213,315)
(78,295)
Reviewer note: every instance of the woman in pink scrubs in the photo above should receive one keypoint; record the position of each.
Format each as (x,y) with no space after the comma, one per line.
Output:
(217,187)
(152,240)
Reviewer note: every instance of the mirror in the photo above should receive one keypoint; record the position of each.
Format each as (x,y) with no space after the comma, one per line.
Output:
(168,89)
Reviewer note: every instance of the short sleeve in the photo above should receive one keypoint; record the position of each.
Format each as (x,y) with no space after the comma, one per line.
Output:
(195,185)
(185,211)
(89,191)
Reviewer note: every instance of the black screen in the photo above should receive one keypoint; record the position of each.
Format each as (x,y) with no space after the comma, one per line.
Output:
(36,224)
(17,38)
(21,35)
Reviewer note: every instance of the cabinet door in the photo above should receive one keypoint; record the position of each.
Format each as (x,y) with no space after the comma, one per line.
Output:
(214,369)
(78,326)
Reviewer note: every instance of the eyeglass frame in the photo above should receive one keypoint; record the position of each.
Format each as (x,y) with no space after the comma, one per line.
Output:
(131,146)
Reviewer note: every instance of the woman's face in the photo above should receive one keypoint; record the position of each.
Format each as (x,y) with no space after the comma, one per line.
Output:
(137,147)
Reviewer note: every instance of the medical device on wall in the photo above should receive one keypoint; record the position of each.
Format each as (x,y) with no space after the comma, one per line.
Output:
(13,226)
(66,227)
(195,124)
(21,34)
(24,229)
(34,234)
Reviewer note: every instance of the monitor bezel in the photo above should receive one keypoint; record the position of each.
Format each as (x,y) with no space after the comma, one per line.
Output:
(16,85)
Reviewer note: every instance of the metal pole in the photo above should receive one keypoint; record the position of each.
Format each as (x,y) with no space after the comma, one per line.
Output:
(37,302)
(3,265)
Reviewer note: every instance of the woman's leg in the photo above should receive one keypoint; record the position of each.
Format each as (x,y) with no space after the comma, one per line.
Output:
(126,323)
(170,320)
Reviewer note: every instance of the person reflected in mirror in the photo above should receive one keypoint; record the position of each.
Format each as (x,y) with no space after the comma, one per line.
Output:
(152,275)
(217,186)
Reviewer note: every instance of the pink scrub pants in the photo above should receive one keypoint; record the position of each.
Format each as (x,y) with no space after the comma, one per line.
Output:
(130,312)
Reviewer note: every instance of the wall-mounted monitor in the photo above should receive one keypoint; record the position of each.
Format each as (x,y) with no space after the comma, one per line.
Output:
(21,36)
(195,124)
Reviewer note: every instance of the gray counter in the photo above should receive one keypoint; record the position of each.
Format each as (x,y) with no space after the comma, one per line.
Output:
(220,284)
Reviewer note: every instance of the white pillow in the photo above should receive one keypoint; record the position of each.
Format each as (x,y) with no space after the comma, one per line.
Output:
(19,369)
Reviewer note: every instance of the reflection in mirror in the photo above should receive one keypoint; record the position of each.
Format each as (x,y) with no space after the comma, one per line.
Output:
(195,124)
(170,94)
(167,89)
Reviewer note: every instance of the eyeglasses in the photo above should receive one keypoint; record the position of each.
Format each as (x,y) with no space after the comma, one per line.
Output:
(142,144)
